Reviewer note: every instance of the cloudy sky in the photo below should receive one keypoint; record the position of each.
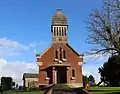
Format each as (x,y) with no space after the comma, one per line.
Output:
(25,29)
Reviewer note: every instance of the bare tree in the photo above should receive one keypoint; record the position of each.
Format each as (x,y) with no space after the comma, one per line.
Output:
(104,28)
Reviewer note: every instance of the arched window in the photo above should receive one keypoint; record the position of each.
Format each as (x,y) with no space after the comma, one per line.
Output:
(73,73)
(65,31)
(54,32)
(62,33)
(59,31)
(56,54)
(64,54)
(60,53)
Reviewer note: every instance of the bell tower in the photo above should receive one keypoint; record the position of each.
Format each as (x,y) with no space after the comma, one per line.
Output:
(59,28)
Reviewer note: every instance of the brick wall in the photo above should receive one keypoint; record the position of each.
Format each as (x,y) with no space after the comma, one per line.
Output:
(48,58)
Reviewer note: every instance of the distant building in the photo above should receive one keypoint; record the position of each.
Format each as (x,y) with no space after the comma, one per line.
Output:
(60,63)
(30,80)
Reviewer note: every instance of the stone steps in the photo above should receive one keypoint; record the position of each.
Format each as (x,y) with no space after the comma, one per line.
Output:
(58,90)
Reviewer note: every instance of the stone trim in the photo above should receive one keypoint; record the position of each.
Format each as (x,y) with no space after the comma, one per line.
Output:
(60,61)
(64,59)
(38,56)
(47,78)
(72,78)
(56,59)
(80,56)
(39,63)
(80,63)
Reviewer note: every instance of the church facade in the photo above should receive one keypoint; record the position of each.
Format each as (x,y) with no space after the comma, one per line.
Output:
(60,63)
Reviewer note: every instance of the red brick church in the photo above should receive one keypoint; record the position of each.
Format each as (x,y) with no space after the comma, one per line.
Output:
(60,63)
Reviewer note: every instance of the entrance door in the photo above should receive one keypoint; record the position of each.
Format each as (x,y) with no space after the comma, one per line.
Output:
(61,75)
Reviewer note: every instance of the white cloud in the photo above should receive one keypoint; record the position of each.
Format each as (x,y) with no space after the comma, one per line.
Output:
(37,46)
(12,48)
(16,69)
(10,43)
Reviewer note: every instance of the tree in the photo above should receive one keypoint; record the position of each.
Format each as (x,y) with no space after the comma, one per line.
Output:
(110,71)
(16,86)
(91,79)
(13,85)
(104,28)
(88,80)
(6,83)
(1,90)
(85,79)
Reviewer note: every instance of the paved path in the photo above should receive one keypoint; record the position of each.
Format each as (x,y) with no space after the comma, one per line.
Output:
(68,91)
(53,90)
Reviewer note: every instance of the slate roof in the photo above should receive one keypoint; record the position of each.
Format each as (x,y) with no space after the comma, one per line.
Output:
(30,75)
(59,18)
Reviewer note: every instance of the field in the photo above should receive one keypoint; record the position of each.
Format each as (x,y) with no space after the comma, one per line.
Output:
(104,90)
(31,92)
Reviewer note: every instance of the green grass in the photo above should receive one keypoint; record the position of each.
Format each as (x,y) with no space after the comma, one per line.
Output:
(61,86)
(104,90)
(31,92)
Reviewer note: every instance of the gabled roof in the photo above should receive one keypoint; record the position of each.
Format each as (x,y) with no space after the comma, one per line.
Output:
(74,50)
(66,44)
(46,50)
(30,75)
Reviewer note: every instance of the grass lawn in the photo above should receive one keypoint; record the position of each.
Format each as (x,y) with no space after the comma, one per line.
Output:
(61,86)
(31,92)
(104,90)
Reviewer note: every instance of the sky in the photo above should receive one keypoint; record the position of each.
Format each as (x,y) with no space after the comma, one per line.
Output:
(25,29)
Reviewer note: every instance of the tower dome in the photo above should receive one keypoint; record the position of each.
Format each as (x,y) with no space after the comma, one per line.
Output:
(59,27)
(59,18)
